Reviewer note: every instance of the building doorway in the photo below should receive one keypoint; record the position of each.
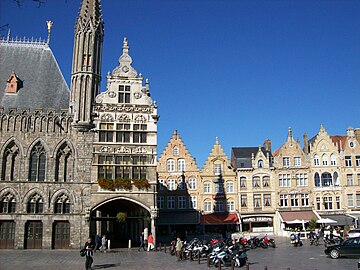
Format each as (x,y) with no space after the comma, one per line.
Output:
(103,220)
(33,234)
(7,234)
(61,235)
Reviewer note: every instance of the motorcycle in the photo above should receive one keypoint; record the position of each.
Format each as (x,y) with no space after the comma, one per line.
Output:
(295,240)
(314,239)
(172,248)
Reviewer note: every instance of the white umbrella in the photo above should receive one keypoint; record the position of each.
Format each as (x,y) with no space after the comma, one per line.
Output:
(326,221)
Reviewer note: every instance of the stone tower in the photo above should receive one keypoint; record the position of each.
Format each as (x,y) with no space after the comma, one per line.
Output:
(85,74)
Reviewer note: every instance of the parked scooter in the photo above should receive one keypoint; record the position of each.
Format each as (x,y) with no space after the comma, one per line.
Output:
(295,239)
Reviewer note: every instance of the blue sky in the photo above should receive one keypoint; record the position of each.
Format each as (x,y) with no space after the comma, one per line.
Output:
(243,71)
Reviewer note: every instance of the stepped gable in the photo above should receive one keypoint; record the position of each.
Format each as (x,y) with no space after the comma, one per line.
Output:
(176,140)
(42,83)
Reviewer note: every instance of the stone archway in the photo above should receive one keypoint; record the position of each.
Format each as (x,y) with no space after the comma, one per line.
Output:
(103,220)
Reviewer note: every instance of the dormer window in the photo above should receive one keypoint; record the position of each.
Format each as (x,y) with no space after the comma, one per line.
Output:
(13,84)
(260,163)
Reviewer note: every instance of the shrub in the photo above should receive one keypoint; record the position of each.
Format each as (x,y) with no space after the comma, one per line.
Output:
(141,183)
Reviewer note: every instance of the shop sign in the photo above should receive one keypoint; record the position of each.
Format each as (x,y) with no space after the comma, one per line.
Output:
(257,219)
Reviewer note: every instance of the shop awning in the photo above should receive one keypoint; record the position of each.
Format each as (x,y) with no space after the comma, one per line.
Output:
(302,216)
(342,220)
(215,218)
(173,218)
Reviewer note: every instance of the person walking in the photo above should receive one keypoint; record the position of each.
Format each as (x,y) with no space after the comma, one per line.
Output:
(89,246)
(150,241)
(103,243)
(142,242)
(97,242)
(178,248)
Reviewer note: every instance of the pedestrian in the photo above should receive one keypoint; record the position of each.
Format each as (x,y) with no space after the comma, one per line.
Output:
(178,249)
(103,243)
(89,246)
(97,241)
(150,242)
(142,242)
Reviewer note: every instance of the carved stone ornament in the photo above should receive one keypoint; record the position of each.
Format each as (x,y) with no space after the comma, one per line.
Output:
(107,117)
(123,117)
(324,147)
(121,108)
(111,94)
(105,149)
(123,149)
(140,119)
(137,95)
(140,150)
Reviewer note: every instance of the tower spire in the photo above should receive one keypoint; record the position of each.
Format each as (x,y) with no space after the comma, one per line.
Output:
(85,75)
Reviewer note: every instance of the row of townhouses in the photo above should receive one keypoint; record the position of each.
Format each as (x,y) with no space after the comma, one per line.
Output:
(77,161)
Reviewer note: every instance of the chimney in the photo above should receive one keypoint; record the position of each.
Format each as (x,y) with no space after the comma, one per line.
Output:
(267,145)
(306,144)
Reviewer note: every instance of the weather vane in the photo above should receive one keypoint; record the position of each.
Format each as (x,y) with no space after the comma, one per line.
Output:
(49,25)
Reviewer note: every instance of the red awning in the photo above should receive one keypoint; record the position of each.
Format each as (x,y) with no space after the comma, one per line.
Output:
(290,216)
(213,219)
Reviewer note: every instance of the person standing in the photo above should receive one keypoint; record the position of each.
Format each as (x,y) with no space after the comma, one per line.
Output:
(103,243)
(97,242)
(89,246)
(178,248)
(142,242)
(150,242)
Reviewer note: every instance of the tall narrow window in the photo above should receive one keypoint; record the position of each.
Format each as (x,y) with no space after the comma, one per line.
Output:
(160,202)
(286,162)
(242,182)
(35,204)
(333,160)
(8,203)
(181,165)
(217,169)
(230,206)
(207,188)
(193,202)
(62,205)
(37,163)
(11,163)
(297,161)
(170,165)
(192,183)
(64,164)
(171,202)
(348,162)
(124,94)
(106,132)
(171,184)
(243,200)
(316,160)
(324,160)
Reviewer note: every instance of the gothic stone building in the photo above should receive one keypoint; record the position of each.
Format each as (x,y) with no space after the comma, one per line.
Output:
(71,161)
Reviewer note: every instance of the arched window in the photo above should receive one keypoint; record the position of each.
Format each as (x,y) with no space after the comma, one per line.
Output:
(333,160)
(8,203)
(37,163)
(317,180)
(326,179)
(324,160)
(11,163)
(170,165)
(181,165)
(62,205)
(64,164)
(35,204)
(230,206)
(316,160)
(260,163)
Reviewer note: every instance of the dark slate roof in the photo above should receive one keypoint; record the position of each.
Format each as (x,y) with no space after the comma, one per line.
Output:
(242,156)
(44,86)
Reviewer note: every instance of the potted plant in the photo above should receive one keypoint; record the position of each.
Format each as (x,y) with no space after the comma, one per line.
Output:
(106,183)
(141,183)
(123,183)
(121,217)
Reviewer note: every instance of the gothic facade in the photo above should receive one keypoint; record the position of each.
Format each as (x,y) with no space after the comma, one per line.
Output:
(72,161)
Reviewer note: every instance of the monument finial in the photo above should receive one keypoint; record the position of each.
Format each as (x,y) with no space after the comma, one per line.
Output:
(49,26)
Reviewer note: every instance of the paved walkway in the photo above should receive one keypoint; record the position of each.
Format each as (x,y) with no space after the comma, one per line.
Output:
(283,257)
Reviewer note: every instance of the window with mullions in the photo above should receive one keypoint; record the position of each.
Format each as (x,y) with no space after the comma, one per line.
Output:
(328,203)
(124,94)
(122,167)
(267,200)
(193,202)
(11,163)
(181,184)
(257,200)
(35,205)
(8,203)
(256,181)
(219,206)
(192,183)
(171,202)
(266,181)
(160,202)
(242,182)
(230,206)
(138,169)
(37,163)
(105,168)
(208,206)
(284,200)
(181,202)
(357,161)
(348,162)
(123,133)
(243,200)
(305,199)
(294,200)
(106,132)
(62,205)
(139,134)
